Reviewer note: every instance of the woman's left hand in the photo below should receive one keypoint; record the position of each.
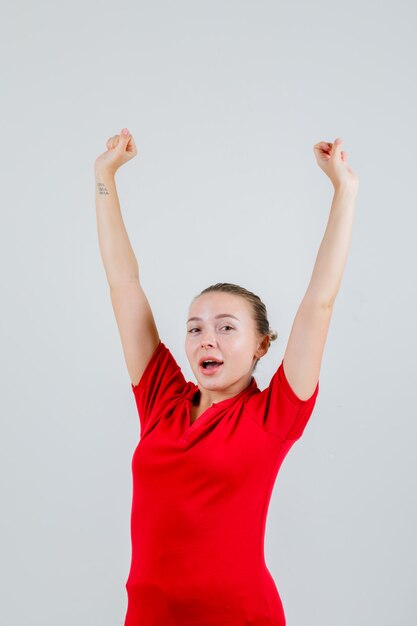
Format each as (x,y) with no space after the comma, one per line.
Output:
(333,161)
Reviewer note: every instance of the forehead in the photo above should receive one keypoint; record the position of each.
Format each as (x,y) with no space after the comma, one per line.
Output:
(211,304)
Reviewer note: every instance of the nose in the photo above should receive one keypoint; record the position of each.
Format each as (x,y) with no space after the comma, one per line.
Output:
(207,342)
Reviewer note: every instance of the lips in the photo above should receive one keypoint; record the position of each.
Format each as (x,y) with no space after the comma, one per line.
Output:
(210,370)
(209,358)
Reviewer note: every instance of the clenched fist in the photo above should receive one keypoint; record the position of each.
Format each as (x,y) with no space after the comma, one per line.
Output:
(120,149)
(333,161)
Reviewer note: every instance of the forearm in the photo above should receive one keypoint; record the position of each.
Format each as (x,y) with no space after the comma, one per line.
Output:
(333,252)
(119,260)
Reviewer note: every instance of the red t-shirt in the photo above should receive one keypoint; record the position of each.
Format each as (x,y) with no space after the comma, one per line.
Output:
(201,493)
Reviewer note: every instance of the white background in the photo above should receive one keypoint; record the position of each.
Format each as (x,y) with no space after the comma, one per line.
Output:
(225,101)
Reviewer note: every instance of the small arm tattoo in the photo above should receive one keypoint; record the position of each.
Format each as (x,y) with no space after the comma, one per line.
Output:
(102,189)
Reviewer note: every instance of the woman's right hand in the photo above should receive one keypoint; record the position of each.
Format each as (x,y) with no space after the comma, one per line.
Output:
(120,149)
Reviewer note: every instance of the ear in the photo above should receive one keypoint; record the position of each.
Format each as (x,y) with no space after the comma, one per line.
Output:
(263,347)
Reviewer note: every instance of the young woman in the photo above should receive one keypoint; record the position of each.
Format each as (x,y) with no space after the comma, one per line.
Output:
(209,453)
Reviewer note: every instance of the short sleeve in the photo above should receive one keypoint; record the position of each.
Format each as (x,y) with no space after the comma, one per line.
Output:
(160,384)
(278,410)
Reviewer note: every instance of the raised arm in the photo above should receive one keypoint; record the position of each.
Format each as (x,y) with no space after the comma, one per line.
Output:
(303,355)
(134,317)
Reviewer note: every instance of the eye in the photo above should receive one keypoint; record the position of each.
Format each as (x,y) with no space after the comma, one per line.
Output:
(192,329)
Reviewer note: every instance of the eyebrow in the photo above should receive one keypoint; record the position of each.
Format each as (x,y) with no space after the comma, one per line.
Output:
(200,319)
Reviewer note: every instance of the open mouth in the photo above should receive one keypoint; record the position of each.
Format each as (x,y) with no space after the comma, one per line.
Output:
(211,366)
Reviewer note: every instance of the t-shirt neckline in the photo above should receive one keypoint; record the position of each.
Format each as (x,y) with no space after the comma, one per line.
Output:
(252,386)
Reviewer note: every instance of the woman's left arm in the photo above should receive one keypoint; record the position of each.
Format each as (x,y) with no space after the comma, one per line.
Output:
(304,352)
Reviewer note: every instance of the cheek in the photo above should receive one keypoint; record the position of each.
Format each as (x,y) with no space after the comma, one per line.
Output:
(240,347)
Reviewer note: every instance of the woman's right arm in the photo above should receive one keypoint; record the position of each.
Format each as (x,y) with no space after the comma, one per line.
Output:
(135,321)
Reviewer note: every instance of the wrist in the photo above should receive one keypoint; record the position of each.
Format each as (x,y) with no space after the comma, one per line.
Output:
(101,173)
(345,189)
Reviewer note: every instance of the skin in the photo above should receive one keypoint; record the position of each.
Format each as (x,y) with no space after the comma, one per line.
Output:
(234,341)
(304,352)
